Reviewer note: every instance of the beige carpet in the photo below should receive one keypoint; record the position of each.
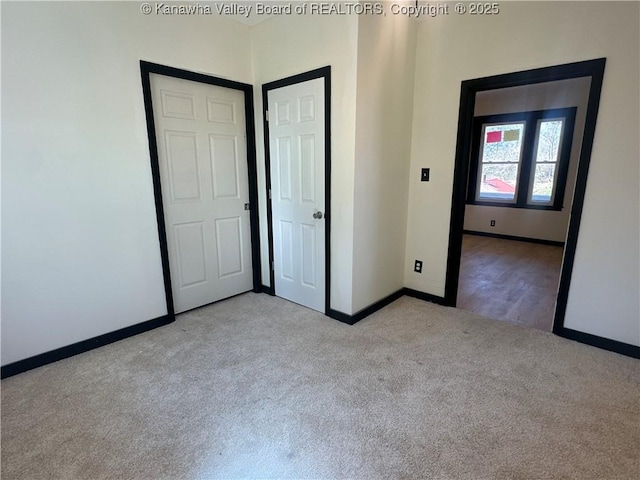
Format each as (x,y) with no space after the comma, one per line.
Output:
(256,387)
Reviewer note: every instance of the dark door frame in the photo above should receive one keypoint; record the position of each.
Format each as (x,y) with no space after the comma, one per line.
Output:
(146,69)
(590,68)
(324,73)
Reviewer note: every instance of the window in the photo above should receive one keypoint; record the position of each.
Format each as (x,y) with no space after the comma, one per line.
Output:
(521,159)
(501,159)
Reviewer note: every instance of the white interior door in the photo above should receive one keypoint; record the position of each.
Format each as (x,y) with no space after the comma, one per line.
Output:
(201,137)
(297,153)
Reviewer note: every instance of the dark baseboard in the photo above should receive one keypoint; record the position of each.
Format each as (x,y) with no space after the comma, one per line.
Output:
(102,340)
(600,342)
(586,338)
(83,346)
(365,312)
(427,297)
(512,237)
(268,290)
(341,317)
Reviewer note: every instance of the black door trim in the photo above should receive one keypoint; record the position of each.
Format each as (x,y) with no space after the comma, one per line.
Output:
(325,73)
(147,68)
(590,68)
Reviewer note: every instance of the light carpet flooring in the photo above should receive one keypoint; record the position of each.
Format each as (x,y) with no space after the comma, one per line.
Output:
(257,387)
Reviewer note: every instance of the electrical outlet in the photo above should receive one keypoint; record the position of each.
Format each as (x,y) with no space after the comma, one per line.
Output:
(424,176)
(417,266)
(493,223)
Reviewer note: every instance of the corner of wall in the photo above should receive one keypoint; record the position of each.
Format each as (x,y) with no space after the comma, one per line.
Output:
(384,117)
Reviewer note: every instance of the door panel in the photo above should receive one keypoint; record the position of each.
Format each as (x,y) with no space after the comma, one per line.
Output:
(182,161)
(283,159)
(189,239)
(178,105)
(221,111)
(204,176)
(296,146)
(286,250)
(230,242)
(308,169)
(308,241)
(224,166)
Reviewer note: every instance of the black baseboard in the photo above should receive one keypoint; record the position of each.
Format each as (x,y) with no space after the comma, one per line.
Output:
(586,338)
(600,342)
(83,346)
(268,290)
(365,312)
(101,340)
(341,317)
(553,243)
(427,297)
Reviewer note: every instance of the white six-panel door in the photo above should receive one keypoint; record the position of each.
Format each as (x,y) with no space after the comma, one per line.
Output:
(297,160)
(200,133)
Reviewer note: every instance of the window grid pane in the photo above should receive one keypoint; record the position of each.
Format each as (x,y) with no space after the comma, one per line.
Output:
(501,157)
(543,182)
(548,141)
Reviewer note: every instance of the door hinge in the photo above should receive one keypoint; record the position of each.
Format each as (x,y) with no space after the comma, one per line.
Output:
(272,266)
(269,194)
(266,115)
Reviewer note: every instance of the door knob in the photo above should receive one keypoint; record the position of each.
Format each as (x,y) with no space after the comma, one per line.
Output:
(317,215)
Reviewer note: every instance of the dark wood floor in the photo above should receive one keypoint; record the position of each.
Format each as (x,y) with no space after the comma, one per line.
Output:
(509,280)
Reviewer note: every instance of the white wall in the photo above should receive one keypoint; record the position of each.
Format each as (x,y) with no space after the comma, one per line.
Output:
(386,60)
(80,252)
(539,224)
(287,45)
(603,299)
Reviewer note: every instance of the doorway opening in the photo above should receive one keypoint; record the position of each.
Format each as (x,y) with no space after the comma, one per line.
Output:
(471,91)
(203,165)
(524,157)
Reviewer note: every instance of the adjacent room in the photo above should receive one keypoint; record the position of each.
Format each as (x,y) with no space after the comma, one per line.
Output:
(341,242)
(519,199)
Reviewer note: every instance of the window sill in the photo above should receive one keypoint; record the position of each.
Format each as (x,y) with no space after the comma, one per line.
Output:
(552,208)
